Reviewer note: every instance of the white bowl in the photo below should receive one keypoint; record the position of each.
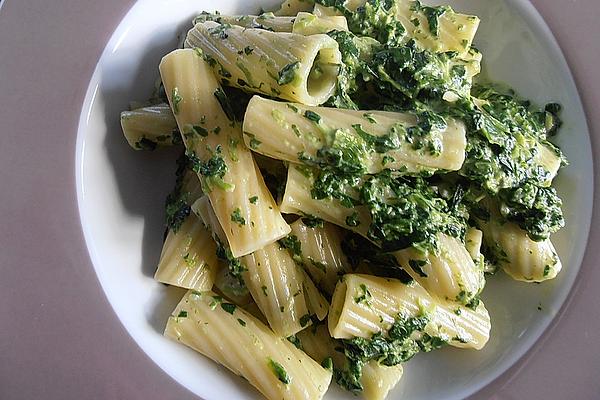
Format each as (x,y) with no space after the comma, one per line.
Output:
(121,195)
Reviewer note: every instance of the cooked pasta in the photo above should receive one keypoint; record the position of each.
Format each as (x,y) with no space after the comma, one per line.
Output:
(451,32)
(188,258)
(320,252)
(303,132)
(225,166)
(347,187)
(376,380)
(448,274)
(283,292)
(266,21)
(518,255)
(286,65)
(297,199)
(148,127)
(229,335)
(310,24)
(364,305)
(293,7)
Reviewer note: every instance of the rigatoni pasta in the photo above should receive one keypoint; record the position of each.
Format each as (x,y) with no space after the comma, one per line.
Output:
(188,258)
(243,344)
(448,273)
(376,380)
(364,305)
(382,140)
(293,7)
(518,255)
(266,21)
(319,249)
(225,166)
(311,24)
(149,127)
(283,292)
(451,31)
(297,199)
(403,183)
(285,65)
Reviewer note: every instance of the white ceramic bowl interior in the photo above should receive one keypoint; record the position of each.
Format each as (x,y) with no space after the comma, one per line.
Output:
(121,195)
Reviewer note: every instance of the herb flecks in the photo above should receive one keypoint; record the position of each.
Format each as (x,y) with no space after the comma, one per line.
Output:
(236,216)
(288,73)
(279,371)
(175,100)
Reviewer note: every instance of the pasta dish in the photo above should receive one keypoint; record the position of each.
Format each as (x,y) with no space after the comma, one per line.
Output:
(347,184)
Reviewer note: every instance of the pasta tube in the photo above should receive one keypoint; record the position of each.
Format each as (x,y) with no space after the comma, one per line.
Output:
(322,11)
(449,274)
(149,127)
(450,31)
(310,24)
(244,206)
(235,339)
(473,240)
(188,258)
(293,7)
(376,380)
(297,199)
(230,286)
(280,288)
(285,65)
(438,29)
(519,256)
(549,160)
(364,305)
(266,21)
(295,133)
(320,250)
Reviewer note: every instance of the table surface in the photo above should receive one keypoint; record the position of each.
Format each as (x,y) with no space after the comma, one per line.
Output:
(46,299)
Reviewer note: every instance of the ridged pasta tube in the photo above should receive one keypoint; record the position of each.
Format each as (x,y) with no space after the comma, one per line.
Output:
(191,187)
(549,160)
(363,305)
(322,11)
(230,286)
(266,21)
(451,31)
(321,253)
(519,256)
(188,258)
(284,293)
(235,339)
(284,65)
(290,132)
(293,7)
(310,24)
(377,380)
(149,127)
(448,274)
(473,240)
(297,199)
(542,155)
(243,204)
(280,288)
